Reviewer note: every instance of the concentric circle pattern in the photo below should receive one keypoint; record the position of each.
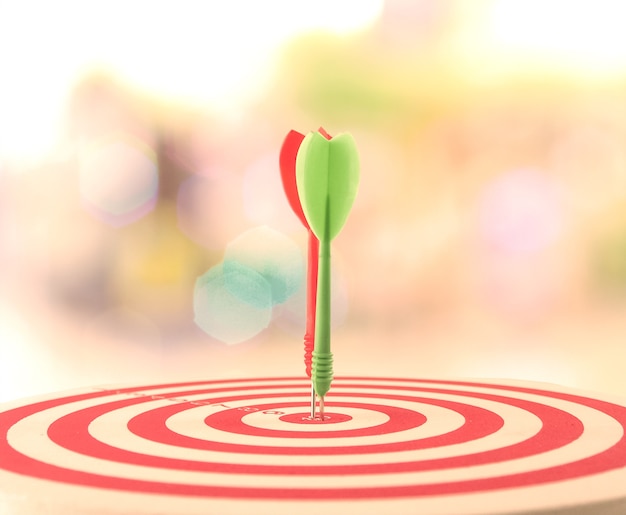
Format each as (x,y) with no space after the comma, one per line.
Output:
(242,446)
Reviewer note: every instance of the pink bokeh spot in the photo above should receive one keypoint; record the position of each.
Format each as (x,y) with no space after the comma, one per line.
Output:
(521,213)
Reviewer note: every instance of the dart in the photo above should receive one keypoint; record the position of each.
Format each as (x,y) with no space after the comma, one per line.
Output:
(287,164)
(327,177)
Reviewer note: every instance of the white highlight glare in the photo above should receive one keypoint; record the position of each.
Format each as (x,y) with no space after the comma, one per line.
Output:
(576,33)
(218,53)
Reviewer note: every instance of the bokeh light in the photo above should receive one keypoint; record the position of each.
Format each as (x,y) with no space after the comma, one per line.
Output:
(234,300)
(271,255)
(119,180)
(521,212)
(521,220)
(227,317)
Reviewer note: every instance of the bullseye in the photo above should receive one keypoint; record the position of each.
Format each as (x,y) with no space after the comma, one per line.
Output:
(305,418)
(423,446)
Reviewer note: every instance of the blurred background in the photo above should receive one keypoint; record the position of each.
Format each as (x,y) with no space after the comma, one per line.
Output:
(144,232)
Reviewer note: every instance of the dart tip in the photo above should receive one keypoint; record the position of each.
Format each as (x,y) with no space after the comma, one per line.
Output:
(322,408)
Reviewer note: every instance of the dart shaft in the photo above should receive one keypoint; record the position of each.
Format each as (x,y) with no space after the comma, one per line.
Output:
(322,358)
(312,269)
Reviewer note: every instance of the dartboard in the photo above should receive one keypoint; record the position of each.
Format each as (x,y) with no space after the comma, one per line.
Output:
(386,445)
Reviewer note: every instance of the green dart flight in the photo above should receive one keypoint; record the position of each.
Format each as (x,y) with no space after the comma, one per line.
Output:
(327,176)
